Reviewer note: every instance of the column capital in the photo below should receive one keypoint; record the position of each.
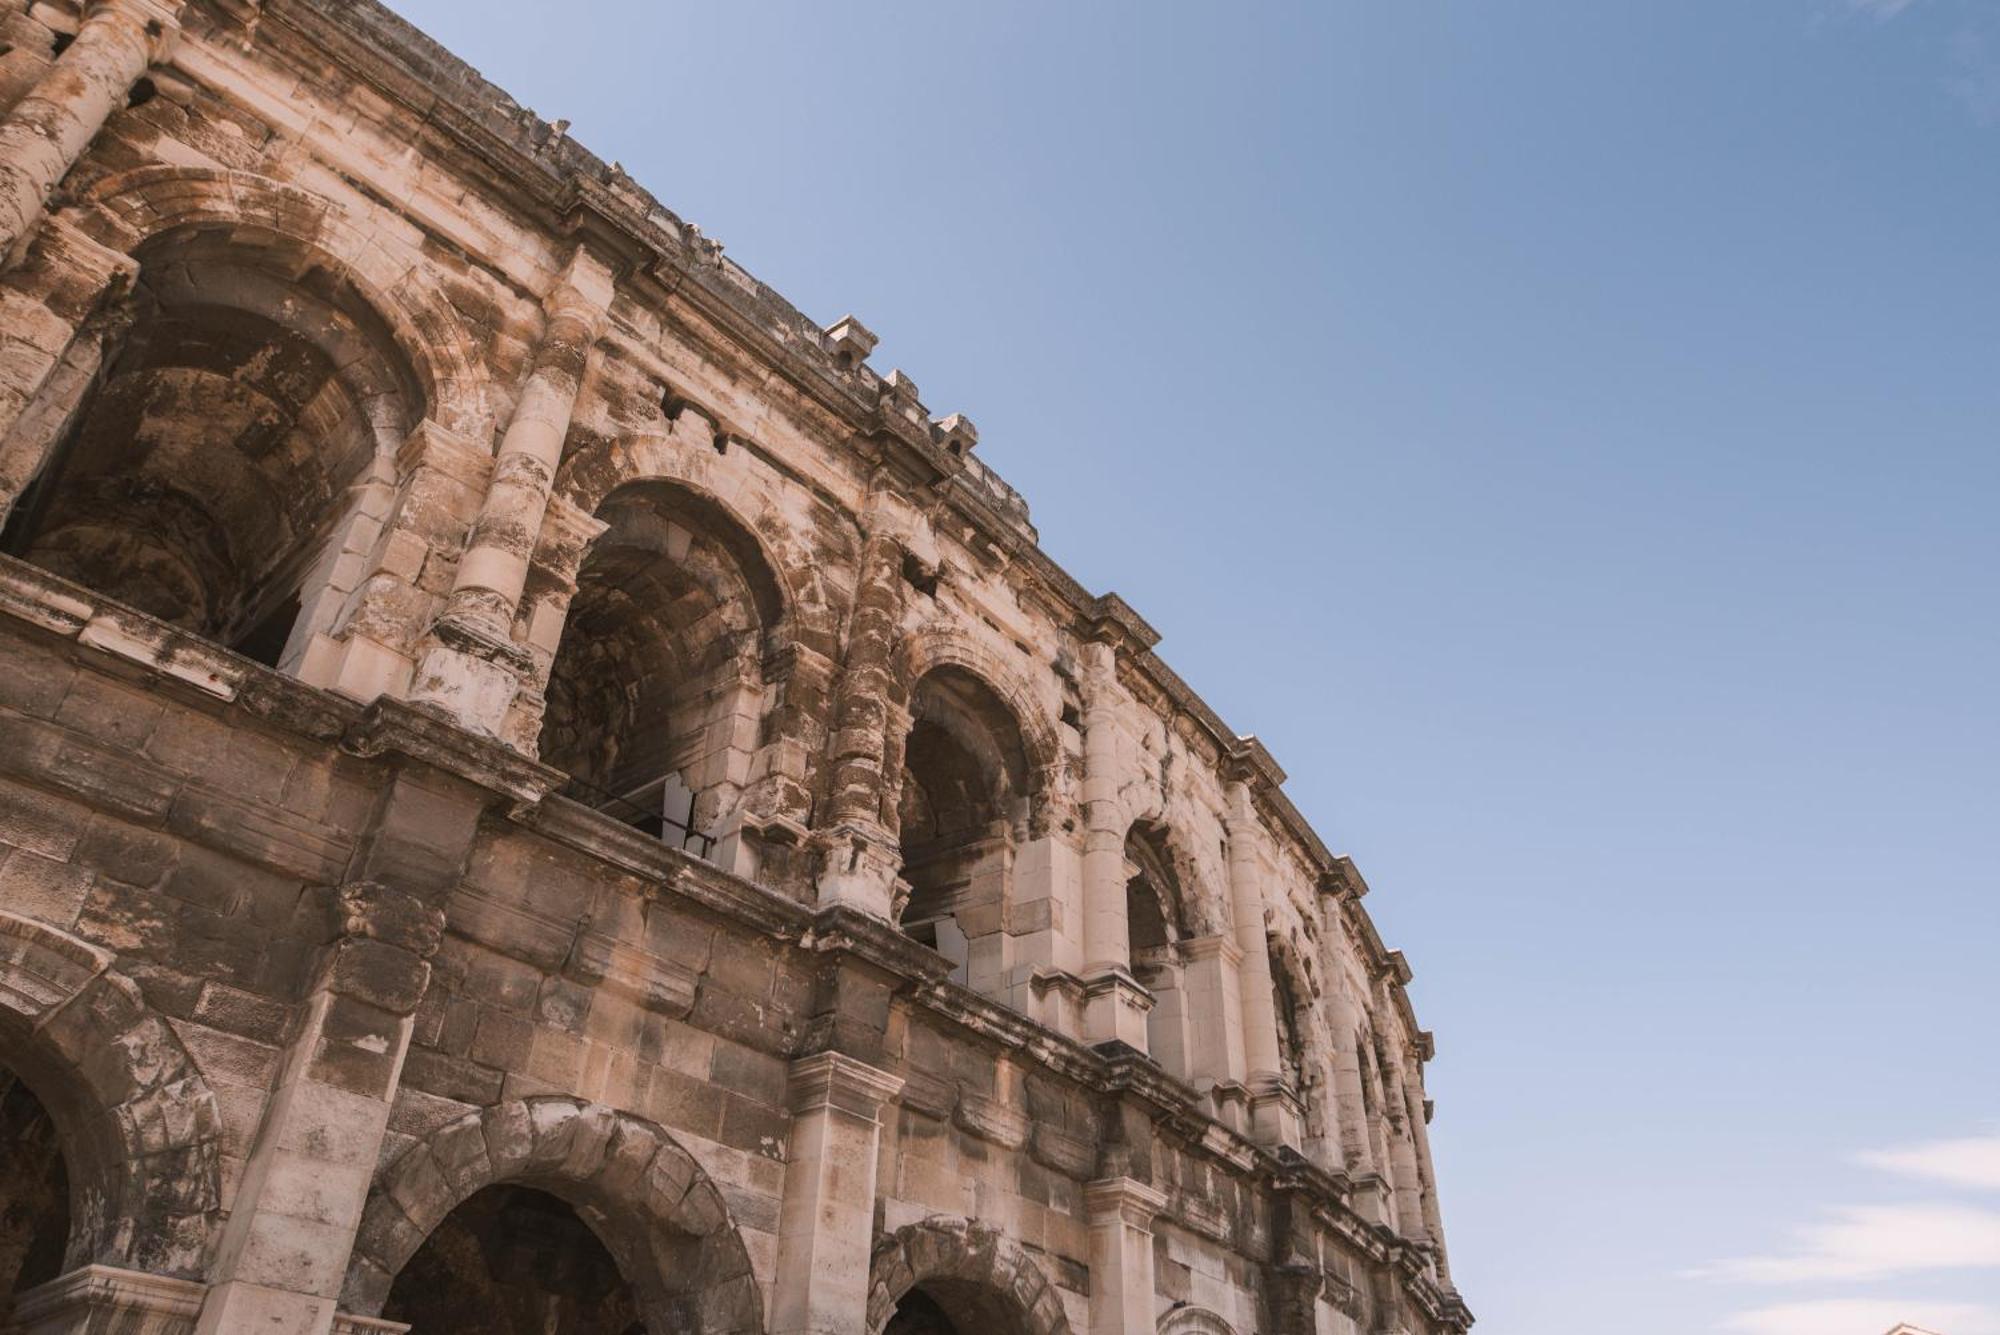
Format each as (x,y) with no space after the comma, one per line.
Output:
(1124,1200)
(835,1080)
(584,291)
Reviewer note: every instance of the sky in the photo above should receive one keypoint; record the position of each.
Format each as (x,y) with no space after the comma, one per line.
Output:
(1565,432)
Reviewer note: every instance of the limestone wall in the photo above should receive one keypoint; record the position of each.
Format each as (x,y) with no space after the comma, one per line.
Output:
(888,919)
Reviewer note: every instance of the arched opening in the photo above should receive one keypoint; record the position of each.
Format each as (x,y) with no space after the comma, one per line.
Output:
(34,1191)
(215,472)
(952,1307)
(1156,924)
(945,1275)
(579,1219)
(1373,1104)
(961,812)
(655,696)
(511,1260)
(1285,1001)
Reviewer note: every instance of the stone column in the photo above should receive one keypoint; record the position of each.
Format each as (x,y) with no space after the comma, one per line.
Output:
(1357,1145)
(1114,1005)
(1402,1145)
(1414,1101)
(50,127)
(1121,1211)
(1274,1118)
(475,667)
(863,856)
(284,1251)
(826,1223)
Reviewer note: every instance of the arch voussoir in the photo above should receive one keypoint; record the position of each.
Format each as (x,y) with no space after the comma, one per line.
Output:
(126,209)
(950,1249)
(619,1171)
(140,1125)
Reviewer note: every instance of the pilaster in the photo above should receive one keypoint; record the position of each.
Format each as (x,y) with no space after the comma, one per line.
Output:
(284,1250)
(1121,1211)
(826,1223)
(44,133)
(471,664)
(1214,1003)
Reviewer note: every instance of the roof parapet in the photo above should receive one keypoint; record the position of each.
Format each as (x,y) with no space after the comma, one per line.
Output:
(850,342)
(955,434)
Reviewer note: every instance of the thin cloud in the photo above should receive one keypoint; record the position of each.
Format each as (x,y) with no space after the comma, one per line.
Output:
(1975,74)
(1876,1242)
(1971,1162)
(1881,9)
(1864,1316)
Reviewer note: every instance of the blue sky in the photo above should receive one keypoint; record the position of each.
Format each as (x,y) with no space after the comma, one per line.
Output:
(1565,431)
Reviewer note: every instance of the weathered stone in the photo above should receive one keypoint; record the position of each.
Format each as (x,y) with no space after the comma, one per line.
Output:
(493,701)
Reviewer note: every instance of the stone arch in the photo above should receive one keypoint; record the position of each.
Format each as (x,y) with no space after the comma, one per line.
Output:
(661,1217)
(670,549)
(139,1127)
(809,607)
(935,647)
(1157,894)
(972,1260)
(1203,905)
(1185,1320)
(1302,1024)
(126,209)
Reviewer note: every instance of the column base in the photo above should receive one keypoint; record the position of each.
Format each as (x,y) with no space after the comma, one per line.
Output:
(473,670)
(1230,1100)
(1277,1115)
(1114,1009)
(859,868)
(1370,1197)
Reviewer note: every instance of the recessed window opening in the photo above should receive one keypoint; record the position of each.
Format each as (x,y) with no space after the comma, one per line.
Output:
(657,680)
(961,812)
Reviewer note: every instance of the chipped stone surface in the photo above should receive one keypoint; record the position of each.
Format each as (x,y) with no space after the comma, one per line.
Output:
(513,737)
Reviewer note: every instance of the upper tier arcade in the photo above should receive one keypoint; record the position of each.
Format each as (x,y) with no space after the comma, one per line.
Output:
(546,742)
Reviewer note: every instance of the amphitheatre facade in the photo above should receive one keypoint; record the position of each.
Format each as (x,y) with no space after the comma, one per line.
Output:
(541,792)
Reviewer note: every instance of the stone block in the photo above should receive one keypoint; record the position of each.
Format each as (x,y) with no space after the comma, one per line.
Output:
(40,822)
(42,888)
